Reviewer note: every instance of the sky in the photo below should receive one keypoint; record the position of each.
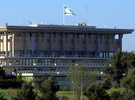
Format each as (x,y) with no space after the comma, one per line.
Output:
(99,13)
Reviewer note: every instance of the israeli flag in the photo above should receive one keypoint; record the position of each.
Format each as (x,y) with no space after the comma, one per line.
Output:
(68,11)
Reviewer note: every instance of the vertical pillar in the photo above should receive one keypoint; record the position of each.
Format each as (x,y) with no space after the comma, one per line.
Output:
(50,49)
(62,37)
(3,45)
(108,45)
(10,46)
(42,44)
(74,43)
(120,41)
(33,44)
(25,44)
(99,45)
(0,43)
(86,44)
(38,43)
(6,42)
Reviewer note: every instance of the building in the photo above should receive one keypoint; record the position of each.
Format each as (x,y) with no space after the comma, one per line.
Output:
(40,50)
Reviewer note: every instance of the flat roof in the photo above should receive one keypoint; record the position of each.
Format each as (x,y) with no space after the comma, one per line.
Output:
(64,28)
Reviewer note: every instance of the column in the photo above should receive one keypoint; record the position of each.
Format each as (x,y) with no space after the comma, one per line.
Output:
(10,46)
(62,37)
(6,52)
(0,43)
(108,46)
(74,43)
(38,42)
(99,44)
(120,41)
(50,49)
(33,44)
(25,44)
(3,45)
(86,43)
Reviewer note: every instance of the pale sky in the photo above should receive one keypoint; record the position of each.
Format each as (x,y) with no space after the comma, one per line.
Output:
(100,13)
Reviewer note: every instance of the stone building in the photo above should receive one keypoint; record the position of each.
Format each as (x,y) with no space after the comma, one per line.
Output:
(40,50)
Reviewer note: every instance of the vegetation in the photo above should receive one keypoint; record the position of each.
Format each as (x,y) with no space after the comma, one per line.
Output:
(47,90)
(10,83)
(118,84)
(2,72)
(118,65)
(96,92)
(129,81)
(26,92)
(121,69)
(63,98)
(79,75)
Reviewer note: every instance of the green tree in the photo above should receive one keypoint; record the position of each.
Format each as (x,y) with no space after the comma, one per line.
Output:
(96,92)
(129,81)
(37,81)
(63,98)
(47,90)
(26,92)
(2,96)
(78,74)
(19,76)
(2,72)
(119,64)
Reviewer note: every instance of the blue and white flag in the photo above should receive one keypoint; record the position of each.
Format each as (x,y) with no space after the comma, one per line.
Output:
(68,11)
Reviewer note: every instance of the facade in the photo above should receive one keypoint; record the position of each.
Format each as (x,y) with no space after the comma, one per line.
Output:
(49,50)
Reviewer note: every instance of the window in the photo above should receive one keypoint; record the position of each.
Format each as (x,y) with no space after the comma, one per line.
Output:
(82,36)
(116,36)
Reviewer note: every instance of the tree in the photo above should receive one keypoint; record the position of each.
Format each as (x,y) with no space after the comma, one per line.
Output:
(47,90)
(106,84)
(2,96)
(2,72)
(26,92)
(19,76)
(63,98)
(37,81)
(129,81)
(96,92)
(119,64)
(78,74)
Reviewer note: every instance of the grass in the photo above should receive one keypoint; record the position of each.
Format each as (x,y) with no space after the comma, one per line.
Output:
(120,90)
(9,93)
(68,94)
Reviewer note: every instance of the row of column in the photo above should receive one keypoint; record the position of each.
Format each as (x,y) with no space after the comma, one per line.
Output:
(9,43)
(6,44)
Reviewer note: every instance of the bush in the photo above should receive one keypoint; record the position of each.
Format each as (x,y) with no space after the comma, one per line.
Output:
(65,89)
(26,92)
(63,98)
(96,92)
(115,95)
(10,83)
(47,90)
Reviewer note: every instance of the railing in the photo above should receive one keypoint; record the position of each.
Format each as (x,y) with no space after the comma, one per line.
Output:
(92,56)
(56,64)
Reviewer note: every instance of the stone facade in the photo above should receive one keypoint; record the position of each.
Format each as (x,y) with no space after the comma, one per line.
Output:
(51,49)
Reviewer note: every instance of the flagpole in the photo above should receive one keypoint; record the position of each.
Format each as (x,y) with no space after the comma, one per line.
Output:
(86,18)
(63,14)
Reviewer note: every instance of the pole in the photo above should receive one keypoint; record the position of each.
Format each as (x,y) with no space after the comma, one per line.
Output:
(63,14)
(73,91)
(86,18)
(81,92)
